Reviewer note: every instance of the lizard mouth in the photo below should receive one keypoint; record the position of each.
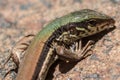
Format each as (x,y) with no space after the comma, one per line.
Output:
(111,24)
(106,25)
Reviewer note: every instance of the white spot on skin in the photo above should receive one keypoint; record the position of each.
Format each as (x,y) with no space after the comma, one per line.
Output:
(77,18)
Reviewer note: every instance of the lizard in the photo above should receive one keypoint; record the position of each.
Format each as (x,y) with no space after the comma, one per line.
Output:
(61,39)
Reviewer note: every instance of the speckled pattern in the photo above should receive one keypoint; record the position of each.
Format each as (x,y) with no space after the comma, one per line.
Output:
(19,18)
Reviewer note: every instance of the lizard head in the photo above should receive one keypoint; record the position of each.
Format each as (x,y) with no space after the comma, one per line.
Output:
(82,24)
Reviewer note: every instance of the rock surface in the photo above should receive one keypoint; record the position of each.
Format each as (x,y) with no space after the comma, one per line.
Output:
(21,17)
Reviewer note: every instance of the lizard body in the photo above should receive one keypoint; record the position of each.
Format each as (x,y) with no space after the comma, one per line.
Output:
(63,31)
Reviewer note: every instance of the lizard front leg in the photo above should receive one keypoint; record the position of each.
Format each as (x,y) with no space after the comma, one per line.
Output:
(75,53)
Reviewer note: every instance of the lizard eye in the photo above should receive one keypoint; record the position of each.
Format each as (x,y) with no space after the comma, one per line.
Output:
(92,23)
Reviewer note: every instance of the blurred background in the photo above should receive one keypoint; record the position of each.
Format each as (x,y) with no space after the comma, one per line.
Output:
(21,17)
